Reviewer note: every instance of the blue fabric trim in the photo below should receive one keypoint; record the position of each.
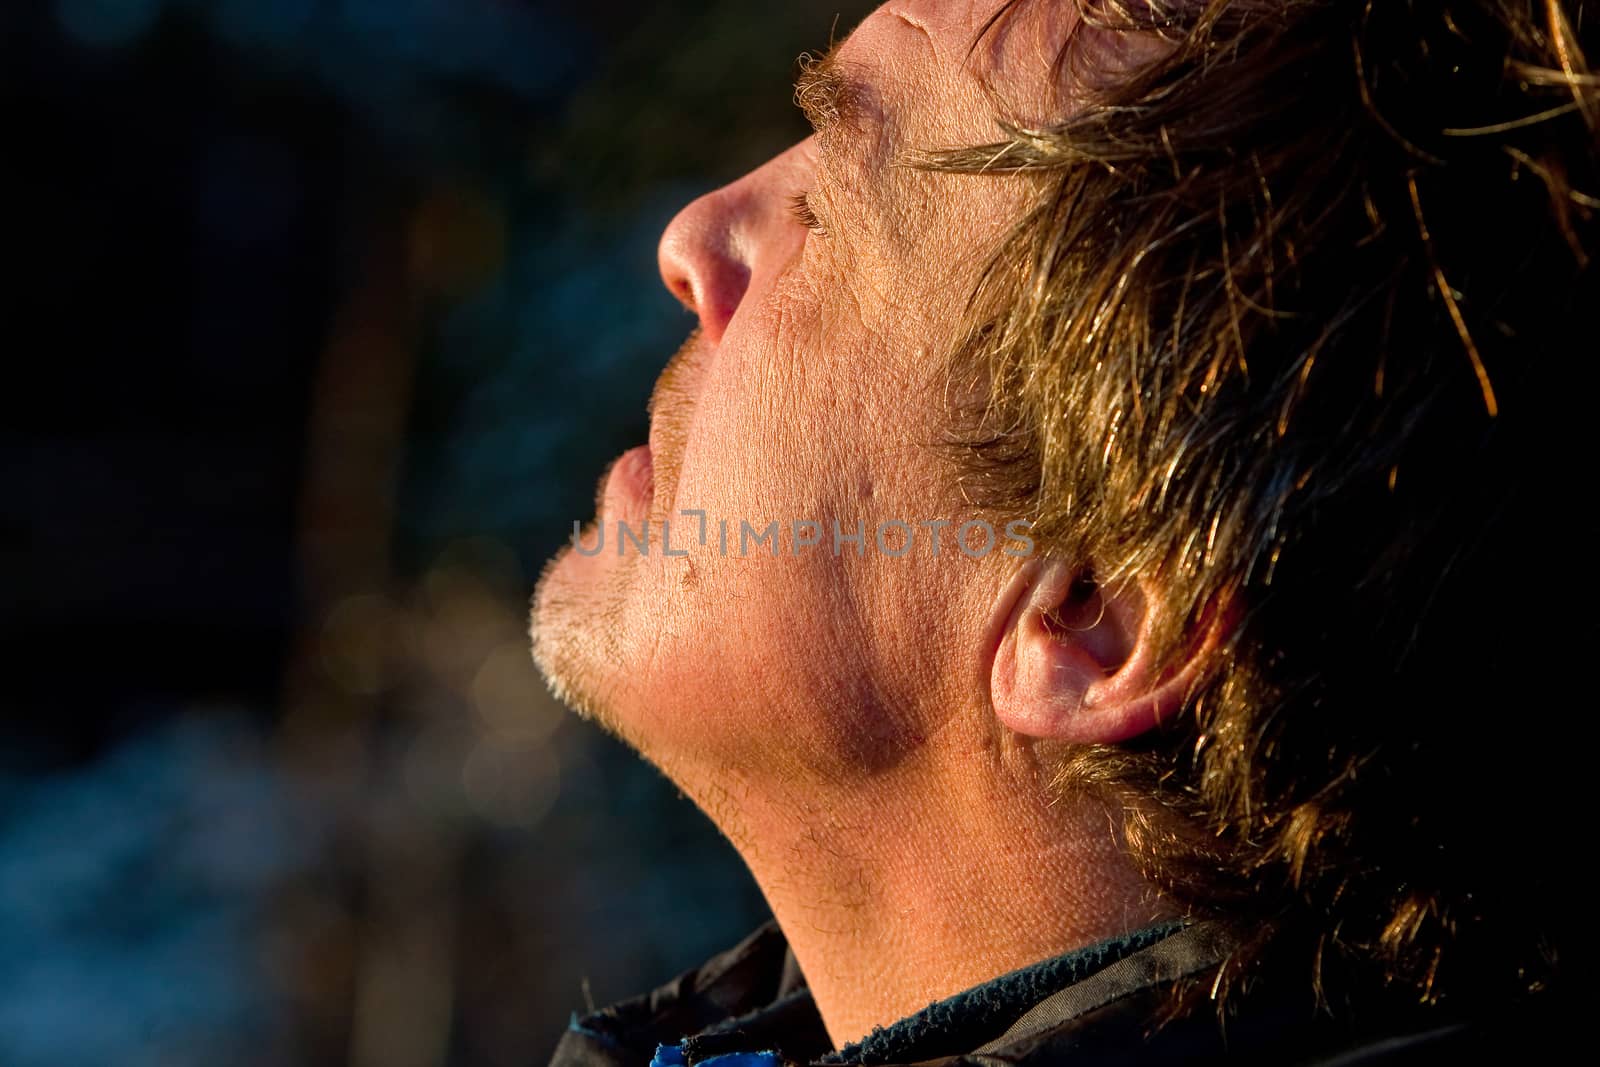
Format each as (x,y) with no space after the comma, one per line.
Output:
(983,1012)
(672,1056)
(668,1056)
(742,1059)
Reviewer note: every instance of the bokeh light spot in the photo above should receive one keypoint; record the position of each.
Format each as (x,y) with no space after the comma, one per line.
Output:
(511,785)
(356,643)
(509,695)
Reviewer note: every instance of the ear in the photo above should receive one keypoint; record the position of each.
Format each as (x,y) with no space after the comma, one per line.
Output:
(1073,660)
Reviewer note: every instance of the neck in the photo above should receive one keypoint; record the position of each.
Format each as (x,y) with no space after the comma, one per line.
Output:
(915,889)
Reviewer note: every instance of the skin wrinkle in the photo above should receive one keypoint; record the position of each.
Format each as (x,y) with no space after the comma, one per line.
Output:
(916,25)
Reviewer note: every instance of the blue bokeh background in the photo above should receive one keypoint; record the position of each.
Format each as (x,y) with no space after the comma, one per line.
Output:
(325,316)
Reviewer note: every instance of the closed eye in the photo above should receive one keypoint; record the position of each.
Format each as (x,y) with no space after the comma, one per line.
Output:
(800,208)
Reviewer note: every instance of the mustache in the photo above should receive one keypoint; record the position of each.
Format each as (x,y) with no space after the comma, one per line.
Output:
(670,388)
(671,409)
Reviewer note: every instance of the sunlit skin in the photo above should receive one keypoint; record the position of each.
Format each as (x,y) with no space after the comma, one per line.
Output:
(837,715)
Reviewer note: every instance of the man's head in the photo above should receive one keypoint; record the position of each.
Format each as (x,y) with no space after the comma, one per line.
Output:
(1263,315)
(830,287)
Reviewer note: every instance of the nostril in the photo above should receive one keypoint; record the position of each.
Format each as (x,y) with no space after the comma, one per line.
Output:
(680,288)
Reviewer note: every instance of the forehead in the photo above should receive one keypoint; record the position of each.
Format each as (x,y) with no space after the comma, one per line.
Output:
(944,70)
(953,25)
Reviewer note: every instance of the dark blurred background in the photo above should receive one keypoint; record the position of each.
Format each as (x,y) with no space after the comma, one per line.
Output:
(324,317)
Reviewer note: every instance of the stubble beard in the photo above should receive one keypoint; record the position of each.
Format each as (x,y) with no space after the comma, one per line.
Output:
(574,627)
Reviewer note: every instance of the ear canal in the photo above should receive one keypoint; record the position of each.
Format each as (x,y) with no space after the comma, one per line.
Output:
(1085,617)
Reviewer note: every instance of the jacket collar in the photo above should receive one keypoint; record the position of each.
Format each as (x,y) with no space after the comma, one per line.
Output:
(1110,1003)
(752,1000)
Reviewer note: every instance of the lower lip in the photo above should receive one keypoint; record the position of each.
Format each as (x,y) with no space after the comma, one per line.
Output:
(631,483)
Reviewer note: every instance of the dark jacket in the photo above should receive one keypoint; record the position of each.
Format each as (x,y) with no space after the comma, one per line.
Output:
(1108,1004)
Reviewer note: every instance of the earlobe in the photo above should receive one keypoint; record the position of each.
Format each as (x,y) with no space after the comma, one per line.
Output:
(1073,661)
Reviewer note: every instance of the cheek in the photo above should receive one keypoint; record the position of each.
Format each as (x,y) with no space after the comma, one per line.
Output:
(780,424)
(762,662)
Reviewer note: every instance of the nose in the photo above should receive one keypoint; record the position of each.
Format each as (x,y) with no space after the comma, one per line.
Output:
(712,248)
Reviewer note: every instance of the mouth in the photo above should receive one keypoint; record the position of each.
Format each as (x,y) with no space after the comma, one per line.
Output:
(629,485)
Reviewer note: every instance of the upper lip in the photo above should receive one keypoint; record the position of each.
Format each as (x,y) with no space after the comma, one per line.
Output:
(689,377)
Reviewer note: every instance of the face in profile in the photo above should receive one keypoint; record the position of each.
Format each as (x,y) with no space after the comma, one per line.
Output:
(828,286)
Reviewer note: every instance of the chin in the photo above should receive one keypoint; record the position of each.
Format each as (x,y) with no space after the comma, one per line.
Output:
(593,659)
(573,629)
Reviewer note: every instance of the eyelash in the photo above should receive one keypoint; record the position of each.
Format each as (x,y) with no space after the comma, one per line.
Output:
(800,208)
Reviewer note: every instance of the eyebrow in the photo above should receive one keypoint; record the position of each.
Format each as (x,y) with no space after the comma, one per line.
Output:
(826,93)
